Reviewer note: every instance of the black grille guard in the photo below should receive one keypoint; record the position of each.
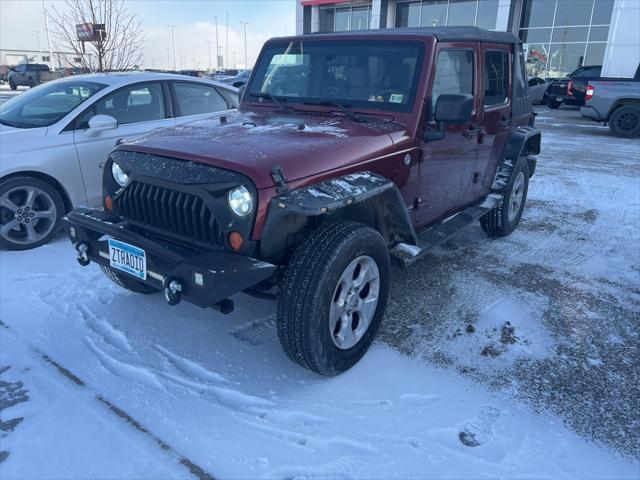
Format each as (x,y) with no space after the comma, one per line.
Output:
(207,278)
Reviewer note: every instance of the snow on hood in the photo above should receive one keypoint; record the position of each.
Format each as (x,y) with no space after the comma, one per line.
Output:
(252,143)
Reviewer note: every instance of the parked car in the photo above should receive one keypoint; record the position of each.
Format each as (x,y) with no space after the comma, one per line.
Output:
(616,103)
(573,89)
(537,89)
(56,137)
(305,190)
(239,80)
(31,74)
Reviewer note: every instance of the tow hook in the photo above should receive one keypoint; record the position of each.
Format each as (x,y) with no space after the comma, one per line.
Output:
(83,258)
(172,291)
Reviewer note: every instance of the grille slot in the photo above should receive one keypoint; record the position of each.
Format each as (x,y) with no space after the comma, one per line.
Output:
(557,89)
(175,212)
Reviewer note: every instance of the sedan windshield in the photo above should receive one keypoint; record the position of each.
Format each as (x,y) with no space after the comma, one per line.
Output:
(45,105)
(380,75)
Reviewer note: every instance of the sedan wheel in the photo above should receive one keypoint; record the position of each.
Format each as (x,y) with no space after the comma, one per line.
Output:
(29,213)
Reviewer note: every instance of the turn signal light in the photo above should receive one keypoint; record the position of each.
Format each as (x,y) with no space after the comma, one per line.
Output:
(235,240)
(589,95)
(108,202)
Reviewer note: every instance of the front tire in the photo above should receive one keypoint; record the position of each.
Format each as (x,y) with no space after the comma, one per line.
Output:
(333,297)
(31,83)
(127,281)
(12,84)
(503,219)
(625,121)
(30,213)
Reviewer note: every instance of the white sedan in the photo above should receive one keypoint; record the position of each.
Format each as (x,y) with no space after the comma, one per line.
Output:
(55,138)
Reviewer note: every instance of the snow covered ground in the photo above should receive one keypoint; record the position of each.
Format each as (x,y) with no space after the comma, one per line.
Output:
(512,358)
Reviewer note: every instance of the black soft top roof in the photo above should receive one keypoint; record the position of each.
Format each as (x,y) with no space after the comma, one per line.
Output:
(442,34)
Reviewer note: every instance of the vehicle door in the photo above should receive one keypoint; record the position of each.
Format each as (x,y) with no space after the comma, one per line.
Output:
(137,109)
(497,66)
(19,75)
(193,100)
(448,165)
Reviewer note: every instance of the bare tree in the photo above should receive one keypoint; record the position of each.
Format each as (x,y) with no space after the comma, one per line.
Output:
(119,48)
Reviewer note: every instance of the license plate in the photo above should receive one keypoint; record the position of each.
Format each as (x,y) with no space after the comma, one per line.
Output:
(129,259)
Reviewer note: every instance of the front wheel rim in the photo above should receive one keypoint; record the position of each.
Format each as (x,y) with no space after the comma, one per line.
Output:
(27,215)
(517,195)
(627,122)
(354,302)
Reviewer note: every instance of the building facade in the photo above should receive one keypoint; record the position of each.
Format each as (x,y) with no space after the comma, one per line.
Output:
(559,36)
(59,60)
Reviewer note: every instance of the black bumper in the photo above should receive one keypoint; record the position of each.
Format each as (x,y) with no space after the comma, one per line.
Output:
(207,278)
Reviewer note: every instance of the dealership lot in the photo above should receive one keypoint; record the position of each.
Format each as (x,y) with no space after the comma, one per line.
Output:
(527,345)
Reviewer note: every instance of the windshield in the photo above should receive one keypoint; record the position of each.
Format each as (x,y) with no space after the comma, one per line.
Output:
(45,105)
(380,75)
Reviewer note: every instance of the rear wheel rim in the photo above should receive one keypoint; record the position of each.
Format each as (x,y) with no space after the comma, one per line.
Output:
(517,195)
(627,122)
(27,215)
(354,302)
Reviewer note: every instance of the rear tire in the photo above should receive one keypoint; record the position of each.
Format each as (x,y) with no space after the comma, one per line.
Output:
(127,282)
(553,105)
(31,83)
(503,220)
(12,84)
(625,121)
(333,297)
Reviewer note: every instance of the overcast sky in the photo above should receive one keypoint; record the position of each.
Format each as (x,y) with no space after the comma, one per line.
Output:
(194,20)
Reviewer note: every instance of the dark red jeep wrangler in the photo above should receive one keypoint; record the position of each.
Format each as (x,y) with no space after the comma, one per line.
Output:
(348,150)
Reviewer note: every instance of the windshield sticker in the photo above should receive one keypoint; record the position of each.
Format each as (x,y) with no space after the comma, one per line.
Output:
(396,98)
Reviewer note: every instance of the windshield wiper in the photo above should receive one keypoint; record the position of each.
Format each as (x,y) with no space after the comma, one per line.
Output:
(10,124)
(278,101)
(342,106)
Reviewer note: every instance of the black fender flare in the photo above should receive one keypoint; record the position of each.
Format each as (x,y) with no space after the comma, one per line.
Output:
(291,211)
(523,142)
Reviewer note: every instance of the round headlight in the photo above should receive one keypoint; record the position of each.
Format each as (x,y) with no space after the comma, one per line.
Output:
(119,176)
(240,201)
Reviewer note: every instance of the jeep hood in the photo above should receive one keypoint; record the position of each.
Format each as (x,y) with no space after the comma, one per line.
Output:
(252,143)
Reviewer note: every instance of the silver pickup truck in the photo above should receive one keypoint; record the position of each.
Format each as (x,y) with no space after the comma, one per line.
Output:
(616,102)
(31,74)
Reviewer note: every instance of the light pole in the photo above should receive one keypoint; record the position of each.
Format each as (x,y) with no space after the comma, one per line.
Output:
(235,65)
(46,27)
(168,58)
(217,45)
(246,56)
(173,44)
(227,40)
(209,42)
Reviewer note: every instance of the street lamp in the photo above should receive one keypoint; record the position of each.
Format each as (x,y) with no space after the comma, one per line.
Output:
(209,42)
(173,44)
(246,56)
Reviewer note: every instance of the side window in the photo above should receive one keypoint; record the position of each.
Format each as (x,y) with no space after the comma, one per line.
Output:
(195,99)
(454,74)
(135,104)
(232,98)
(496,77)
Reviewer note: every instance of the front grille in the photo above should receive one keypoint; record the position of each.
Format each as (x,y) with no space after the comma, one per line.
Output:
(175,212)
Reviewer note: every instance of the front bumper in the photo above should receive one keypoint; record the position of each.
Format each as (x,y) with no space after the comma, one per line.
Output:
(207,279)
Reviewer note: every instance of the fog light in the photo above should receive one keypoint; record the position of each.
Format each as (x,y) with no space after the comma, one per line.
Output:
(235,240)
(108,202)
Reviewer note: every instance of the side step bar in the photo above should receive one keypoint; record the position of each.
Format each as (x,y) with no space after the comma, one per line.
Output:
(406,255)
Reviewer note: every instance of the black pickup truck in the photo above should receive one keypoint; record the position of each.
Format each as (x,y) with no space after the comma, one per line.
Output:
(572,90)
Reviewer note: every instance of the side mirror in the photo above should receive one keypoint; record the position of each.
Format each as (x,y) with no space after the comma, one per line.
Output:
(99,123)
(241,91)
(454,109)
(451,109)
